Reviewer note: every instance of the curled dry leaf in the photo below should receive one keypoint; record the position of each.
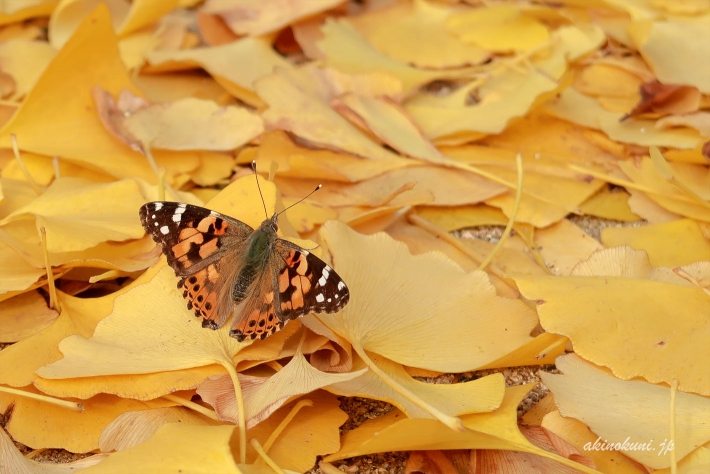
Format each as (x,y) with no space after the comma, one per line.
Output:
(666,99)
(264,395)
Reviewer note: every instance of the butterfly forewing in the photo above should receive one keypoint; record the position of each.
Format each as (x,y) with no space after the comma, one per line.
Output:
(192,237)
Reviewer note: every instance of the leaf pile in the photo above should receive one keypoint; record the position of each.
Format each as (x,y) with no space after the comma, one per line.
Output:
(420,118)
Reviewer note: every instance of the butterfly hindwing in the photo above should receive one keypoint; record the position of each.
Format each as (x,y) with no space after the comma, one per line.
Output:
(306,283)
(202,247)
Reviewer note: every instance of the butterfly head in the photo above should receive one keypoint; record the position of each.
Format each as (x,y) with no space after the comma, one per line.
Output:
(270,226)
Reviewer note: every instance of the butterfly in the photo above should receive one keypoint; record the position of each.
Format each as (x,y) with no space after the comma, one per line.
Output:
(226,268)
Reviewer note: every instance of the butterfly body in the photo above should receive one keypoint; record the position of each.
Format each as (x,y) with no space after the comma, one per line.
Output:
(227,269)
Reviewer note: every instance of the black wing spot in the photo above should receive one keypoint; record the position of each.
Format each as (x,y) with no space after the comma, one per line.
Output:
(192,280)
(208,306)
(200,298)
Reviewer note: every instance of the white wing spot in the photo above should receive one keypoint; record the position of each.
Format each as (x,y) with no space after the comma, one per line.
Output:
(321,281)
(156,224)
(330,299)
(337,296)
(180,209)
(164,230)
(177,217)
(153,216)
(158,206)
(341,285)
(320,298)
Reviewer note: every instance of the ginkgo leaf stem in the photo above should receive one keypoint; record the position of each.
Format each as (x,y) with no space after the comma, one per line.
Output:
(508,184)
(35,453)
(328,468)
(55,167)
(631,185)
(674,461)
(161,184)
(275,365)
(53,301)
(665,171)
(257,447)
(242,422)
(73,406)
(511,221)
(451,421)
(192,406)
(688,277)
(454,242)
(284,423)
(25,172)
(561,341)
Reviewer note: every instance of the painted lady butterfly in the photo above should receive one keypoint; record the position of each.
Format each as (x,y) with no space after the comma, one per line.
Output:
(226,267)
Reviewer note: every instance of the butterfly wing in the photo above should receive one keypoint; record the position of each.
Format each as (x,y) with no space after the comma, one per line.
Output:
(296,283)
(205,249)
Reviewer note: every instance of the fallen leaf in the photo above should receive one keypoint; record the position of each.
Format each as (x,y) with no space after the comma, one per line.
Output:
(611,408)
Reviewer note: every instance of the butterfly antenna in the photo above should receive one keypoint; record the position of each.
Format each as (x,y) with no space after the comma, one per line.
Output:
(256,176)
(300,200)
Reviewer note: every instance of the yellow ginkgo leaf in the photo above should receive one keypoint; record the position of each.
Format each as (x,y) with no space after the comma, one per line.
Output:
(296,105)
(174,446)
(15,461)
(612,408)
(25,61)
(661,47)
(382,317)
(482,395)
(19,362)
(156,384)
(16,274)
(428,184)
(622,322)
(191,124)
(23,316)
(311,431)
(226,64)
(495,430)
(415,34)
(579,435)
(564,245)
(126,18)
(258,17)
(550,191)
(345,49)
(302,162)
(78,214)
(134,427)
(609,204)
(39,424)
(679,242)
(61,103)
(512,94)
(683,190)
(499,28)
(586,111)
(13,12)
(390,123)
